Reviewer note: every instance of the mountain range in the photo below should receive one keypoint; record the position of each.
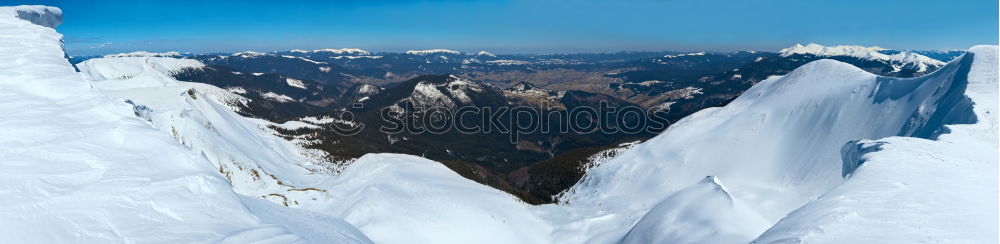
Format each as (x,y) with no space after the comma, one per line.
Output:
(807,145)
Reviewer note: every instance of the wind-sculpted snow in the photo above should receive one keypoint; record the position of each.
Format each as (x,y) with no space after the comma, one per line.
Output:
(701,213)
(825,154)
(777,146)
(391,198)
(397,198)
(40,15)
(126,67)
(79,167)
(916,190)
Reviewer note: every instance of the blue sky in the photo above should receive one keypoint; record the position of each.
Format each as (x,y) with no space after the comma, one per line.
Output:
(520,26)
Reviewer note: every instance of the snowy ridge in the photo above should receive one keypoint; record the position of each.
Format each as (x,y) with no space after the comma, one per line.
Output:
(391,198)
(820,50)
(136,156)
(257,164)
(80,167)
(143,54)
(432,51)
(355,51)
(913,182)
(777,146)
(36,14)
(250,54)
(485,53)
(910,59)
(126,67)
(702,213)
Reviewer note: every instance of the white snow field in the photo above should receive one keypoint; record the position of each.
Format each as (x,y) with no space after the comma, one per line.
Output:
(122,152)
(79,167)
(392,198)
(787,144)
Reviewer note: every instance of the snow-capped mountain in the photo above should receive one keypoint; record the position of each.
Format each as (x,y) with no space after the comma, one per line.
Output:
(432,51)
(203,118)
(788,140)
(78,166)
(827,153)
(899,59)
(143,54)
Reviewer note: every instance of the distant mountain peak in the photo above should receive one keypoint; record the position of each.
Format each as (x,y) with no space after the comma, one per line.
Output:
(485,53)
(143,54)
(820,50)
(250,54)
(432,51)
(902,58)
(523,86)
(356,51)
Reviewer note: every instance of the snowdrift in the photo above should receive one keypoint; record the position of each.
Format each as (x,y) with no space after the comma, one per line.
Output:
(791,139)
(122,152)
(77,166)
(914,190)
(391,198)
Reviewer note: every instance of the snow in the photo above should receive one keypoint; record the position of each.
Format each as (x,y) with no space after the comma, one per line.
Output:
(820,50)
(685,54)
(508,62)
(920,62)
(250,54)
(114,69)
(485,53)
(778,146)
(79,166)
(356,57)
(143,54)
(432,51)
(295,125)
(368,89)
(916,190)
(303,59)
(36,14)
(649,82)
(356,51)
(295,83)
(825,154)
(281,98)
(701,213)
(237,90)
(406,199)
(427,95)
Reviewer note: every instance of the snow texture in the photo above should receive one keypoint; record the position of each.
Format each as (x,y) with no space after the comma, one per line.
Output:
(80,167)
(825,154)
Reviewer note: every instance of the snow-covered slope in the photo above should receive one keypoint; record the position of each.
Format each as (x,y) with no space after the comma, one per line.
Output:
(902,59)
(913,190)
(391,198)
(125,67)
(702,213)
(825,154)
(777,146)
(396,198)
(202,117)
(77,166)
